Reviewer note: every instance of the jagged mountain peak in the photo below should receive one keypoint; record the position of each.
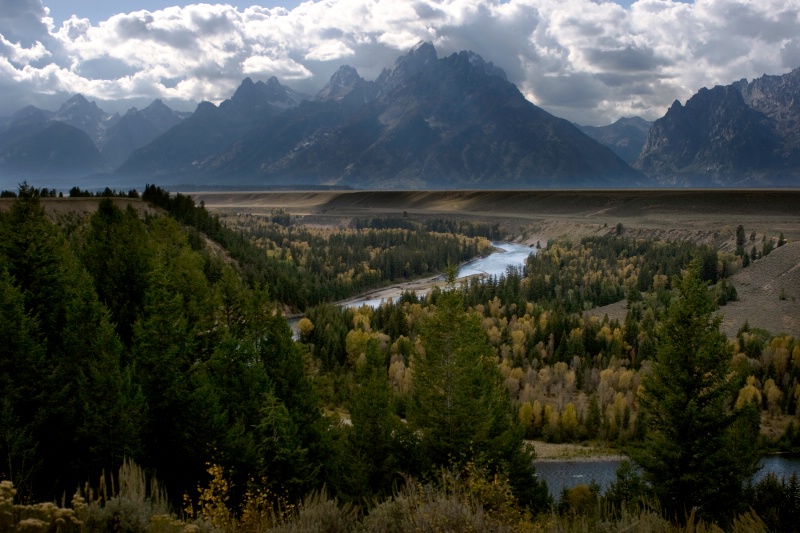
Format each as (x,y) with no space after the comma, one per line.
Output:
(84,115)
(253,100)
(475,61)
(342,83)
(76,99)
(427,122)
(31,114)
(635,122)
(76,106)
(419,59)
(158,106)
(715,137)
(625,137)
(136,129)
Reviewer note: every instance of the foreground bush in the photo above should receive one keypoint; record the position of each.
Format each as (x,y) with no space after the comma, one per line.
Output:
(454,505)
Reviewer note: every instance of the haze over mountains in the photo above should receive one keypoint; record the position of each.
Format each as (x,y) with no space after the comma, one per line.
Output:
(428,122)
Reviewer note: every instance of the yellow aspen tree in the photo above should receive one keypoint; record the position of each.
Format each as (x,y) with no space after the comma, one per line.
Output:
(526,416)
(749,393)
(569,420)
(538,415)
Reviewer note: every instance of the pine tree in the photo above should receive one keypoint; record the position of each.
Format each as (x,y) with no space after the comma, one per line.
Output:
(22,373)
(699,451)
(370,447)
(459,406)
(117,255)
(740,235)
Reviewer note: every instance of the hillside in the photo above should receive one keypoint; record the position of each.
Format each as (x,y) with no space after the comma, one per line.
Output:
(759,288)
(769,294)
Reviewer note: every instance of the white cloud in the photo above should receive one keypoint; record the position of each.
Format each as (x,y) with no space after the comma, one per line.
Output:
(591,61)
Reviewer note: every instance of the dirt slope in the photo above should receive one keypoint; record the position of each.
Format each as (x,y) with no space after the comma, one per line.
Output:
(769,294)
(768,291)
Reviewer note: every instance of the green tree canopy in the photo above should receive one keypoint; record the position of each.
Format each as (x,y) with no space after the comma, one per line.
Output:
(699,451)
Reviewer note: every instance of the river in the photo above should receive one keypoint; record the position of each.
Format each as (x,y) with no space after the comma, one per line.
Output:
(557,474)
(496,264)
(567,474)
(508,255)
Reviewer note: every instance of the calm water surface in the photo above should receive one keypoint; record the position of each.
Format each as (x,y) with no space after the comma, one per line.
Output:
(498,263)
(567,474)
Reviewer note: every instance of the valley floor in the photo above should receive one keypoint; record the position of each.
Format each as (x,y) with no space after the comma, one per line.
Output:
(769,290)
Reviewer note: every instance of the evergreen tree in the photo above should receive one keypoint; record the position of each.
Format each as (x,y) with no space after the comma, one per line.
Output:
(740,235)
(184,420)
(117,255)
(369,449)
(698,452)
(86,416)
(292,431)
(459,406)
(22,373)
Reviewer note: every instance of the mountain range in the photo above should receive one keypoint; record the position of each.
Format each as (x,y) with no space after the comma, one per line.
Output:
(78,140)
(743,134)
(425,123)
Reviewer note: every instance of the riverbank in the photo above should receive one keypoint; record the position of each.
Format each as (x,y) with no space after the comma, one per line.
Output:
(548,451)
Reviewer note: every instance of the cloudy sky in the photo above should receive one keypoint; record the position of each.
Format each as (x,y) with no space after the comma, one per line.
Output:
(590,61)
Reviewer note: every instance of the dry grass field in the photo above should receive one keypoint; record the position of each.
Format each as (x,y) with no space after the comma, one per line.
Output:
(702,215)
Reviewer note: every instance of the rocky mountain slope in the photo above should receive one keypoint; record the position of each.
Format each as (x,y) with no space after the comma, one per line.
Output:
(739,134)
(427,122)
(136,129)
(34,149)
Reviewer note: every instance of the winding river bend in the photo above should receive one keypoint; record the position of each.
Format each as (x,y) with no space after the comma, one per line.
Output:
(496,264)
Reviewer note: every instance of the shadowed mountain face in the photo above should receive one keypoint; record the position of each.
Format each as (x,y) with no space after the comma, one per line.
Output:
(78,140)
(136,129)
(427,123)
(625,137)
(43,149)
(187,148)
(740,134)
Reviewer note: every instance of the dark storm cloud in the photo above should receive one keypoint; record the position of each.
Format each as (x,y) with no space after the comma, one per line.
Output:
(21,21)
(626,60)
